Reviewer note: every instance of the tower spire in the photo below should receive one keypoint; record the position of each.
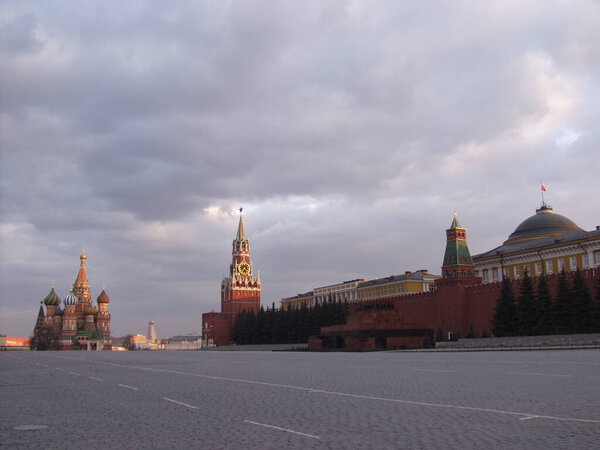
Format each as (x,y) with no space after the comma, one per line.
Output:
(81,287)
(241,233)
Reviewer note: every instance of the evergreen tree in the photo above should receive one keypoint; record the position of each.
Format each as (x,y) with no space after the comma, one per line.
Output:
(290,317)
(278,327)
(249,329)
(303,324)
(315,320)
(269,324)
(259,327)
(237,327)
(505,315)
(596,309)
(545,307)
(563,306)
(527,311)
(582,304)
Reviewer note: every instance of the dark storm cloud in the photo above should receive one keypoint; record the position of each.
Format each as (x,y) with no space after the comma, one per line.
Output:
(350,131)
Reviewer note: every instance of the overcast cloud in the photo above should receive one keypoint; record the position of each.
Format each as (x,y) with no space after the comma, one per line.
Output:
(350,132)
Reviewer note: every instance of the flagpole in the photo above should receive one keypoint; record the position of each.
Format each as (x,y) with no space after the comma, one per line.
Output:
(542,189)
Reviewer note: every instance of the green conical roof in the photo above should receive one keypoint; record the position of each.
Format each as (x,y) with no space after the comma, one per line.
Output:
(455,223)
(457,251)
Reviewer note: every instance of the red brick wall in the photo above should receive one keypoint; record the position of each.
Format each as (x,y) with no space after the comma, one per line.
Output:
(459,305)
(219,327)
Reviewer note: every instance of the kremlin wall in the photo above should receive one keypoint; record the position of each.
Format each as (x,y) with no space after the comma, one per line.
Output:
(462,304)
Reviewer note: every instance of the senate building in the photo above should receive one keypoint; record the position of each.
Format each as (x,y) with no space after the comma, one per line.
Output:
(543,244)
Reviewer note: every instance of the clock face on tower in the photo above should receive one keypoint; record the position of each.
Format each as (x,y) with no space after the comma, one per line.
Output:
(244,268)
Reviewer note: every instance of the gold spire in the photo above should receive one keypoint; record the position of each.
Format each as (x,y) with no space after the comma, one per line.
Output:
(81,287)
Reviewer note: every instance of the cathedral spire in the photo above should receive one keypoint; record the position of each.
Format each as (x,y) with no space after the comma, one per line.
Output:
(81,287)
(82,275)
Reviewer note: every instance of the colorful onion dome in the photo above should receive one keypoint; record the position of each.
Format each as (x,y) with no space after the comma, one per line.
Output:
(70,299)
(52,299)
(90,310)
(103,297)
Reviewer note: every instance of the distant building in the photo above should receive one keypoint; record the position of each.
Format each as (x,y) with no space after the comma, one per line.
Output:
(184,342)
(78,324)
(151,331)
(543,244)
(308,299)
(240,291)
(141,342)
(14,343)
(359,289)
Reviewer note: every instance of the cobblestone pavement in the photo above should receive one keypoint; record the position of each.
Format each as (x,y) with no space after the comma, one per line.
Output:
(278,400)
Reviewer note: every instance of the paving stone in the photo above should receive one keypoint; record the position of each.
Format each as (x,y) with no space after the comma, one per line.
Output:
(265,400)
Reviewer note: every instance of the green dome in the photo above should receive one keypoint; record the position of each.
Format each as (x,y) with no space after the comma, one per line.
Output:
(52,299)
(543,224)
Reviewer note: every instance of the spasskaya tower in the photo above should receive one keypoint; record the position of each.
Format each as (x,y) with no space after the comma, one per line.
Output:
(240,291)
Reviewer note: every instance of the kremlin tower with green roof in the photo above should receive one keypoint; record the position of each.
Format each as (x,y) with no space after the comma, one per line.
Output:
(457,258)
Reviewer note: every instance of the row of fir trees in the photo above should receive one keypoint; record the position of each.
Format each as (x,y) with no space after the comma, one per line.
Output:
(534,311)
(294,325)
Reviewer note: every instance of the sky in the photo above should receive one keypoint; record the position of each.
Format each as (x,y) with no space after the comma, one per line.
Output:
(349,131)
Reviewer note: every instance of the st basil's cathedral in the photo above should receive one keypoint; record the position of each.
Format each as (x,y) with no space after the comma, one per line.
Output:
(77,324)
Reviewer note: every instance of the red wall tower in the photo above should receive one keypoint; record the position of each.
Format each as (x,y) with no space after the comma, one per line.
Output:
(240,291)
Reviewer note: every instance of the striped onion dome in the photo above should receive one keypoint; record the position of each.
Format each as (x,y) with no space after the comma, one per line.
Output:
(52,299)
(70,299)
